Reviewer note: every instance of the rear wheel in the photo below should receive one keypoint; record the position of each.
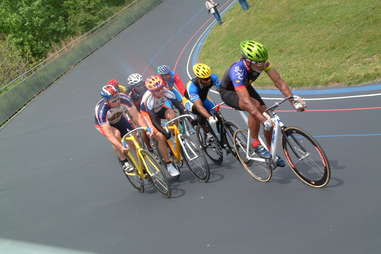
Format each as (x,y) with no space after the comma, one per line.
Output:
(260,169)
(195,158)
(155,171)
(306,157)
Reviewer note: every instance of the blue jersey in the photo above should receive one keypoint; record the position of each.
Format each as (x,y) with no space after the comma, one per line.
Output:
(238,76)
(196,92)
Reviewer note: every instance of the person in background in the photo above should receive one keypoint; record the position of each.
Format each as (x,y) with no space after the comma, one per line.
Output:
(212,8)
(244,4)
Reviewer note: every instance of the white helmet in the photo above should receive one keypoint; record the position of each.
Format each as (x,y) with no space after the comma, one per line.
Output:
(134,78)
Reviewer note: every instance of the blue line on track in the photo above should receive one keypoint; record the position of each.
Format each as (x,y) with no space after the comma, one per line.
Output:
(348,135)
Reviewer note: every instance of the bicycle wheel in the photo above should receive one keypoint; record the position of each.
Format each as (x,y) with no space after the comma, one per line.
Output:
(134,178)
(228,137)
(258,168)
(306,157)
(194,157)
(155,171)
(212,147)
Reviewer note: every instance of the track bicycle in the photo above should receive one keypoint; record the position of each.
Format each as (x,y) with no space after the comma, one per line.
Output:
(145,164)
(223,139)
(304,155)
(186,149)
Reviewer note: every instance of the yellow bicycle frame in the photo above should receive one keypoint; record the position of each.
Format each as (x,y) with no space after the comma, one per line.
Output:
(137,159)
(175,148)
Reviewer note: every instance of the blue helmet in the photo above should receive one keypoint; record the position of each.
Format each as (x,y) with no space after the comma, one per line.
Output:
(163,69)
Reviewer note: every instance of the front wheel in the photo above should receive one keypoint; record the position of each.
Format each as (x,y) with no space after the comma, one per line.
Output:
(194,157)
(134,178)
(306,157)
(211,146)
(155,171)
(228,137)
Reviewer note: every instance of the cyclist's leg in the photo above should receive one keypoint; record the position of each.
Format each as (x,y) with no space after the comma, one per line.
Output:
(120,129)
(160,138)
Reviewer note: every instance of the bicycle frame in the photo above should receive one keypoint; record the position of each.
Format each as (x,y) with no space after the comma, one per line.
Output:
(278,126)
(137,160)
(175,148)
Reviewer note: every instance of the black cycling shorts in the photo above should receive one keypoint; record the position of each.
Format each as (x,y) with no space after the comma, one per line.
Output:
(230,97)
(123,126)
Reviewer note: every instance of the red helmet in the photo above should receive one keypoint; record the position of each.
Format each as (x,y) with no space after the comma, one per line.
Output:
(109,91)
(154,82)
(113,82)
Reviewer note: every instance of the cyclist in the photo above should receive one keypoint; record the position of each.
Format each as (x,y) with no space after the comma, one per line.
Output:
(136,88)
(197,92)
(154,107)
(121,88)
(115,115)
(170,78)
(237,91)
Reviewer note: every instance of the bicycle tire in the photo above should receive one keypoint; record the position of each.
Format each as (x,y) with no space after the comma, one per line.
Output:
(155,171)
(214,150)
(260,171)
(202,171)
(134,178)
(298,144)
(229,131)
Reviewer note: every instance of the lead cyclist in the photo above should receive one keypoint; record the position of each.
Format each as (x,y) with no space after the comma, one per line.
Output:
(237,92)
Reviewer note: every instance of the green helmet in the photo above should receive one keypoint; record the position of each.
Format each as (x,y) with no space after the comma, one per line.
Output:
(254,51)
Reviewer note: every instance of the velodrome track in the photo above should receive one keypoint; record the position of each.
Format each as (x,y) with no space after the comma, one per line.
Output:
(61,189)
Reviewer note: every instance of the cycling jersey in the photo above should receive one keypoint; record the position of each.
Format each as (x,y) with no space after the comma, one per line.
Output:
(238,76)
(136,92)
(196,92)
(156,107)
(115,116)
(175,80)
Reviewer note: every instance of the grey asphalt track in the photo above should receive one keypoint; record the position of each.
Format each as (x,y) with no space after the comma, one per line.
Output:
(61,189)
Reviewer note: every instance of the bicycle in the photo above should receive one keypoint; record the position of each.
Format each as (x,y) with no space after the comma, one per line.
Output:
(184,148)
(146,166)
(214,148)
(303,153)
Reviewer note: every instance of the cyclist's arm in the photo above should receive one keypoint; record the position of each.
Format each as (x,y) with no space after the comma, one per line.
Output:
(136,116)
(107,130)
(201,109)
(246,103)
(178,105)
(279,82)
(179,84)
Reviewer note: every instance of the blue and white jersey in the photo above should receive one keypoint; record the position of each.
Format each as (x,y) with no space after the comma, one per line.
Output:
(151,104)
(196,92)
(104,113)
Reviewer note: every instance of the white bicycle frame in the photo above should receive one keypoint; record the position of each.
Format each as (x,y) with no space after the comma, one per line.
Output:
(274,140)
(189,157)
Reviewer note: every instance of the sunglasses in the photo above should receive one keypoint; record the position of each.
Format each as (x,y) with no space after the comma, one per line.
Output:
(205,79)
(114,100)
(254,62)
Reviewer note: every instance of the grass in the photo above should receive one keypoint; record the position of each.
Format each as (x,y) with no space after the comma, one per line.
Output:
(311,43)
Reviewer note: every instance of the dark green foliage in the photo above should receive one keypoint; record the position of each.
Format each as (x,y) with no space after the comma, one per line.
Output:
(33,26)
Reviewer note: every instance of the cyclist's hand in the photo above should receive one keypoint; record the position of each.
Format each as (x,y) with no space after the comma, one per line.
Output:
(188,106)
(212,120)
(268,124)
(149,132)
(298,103)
